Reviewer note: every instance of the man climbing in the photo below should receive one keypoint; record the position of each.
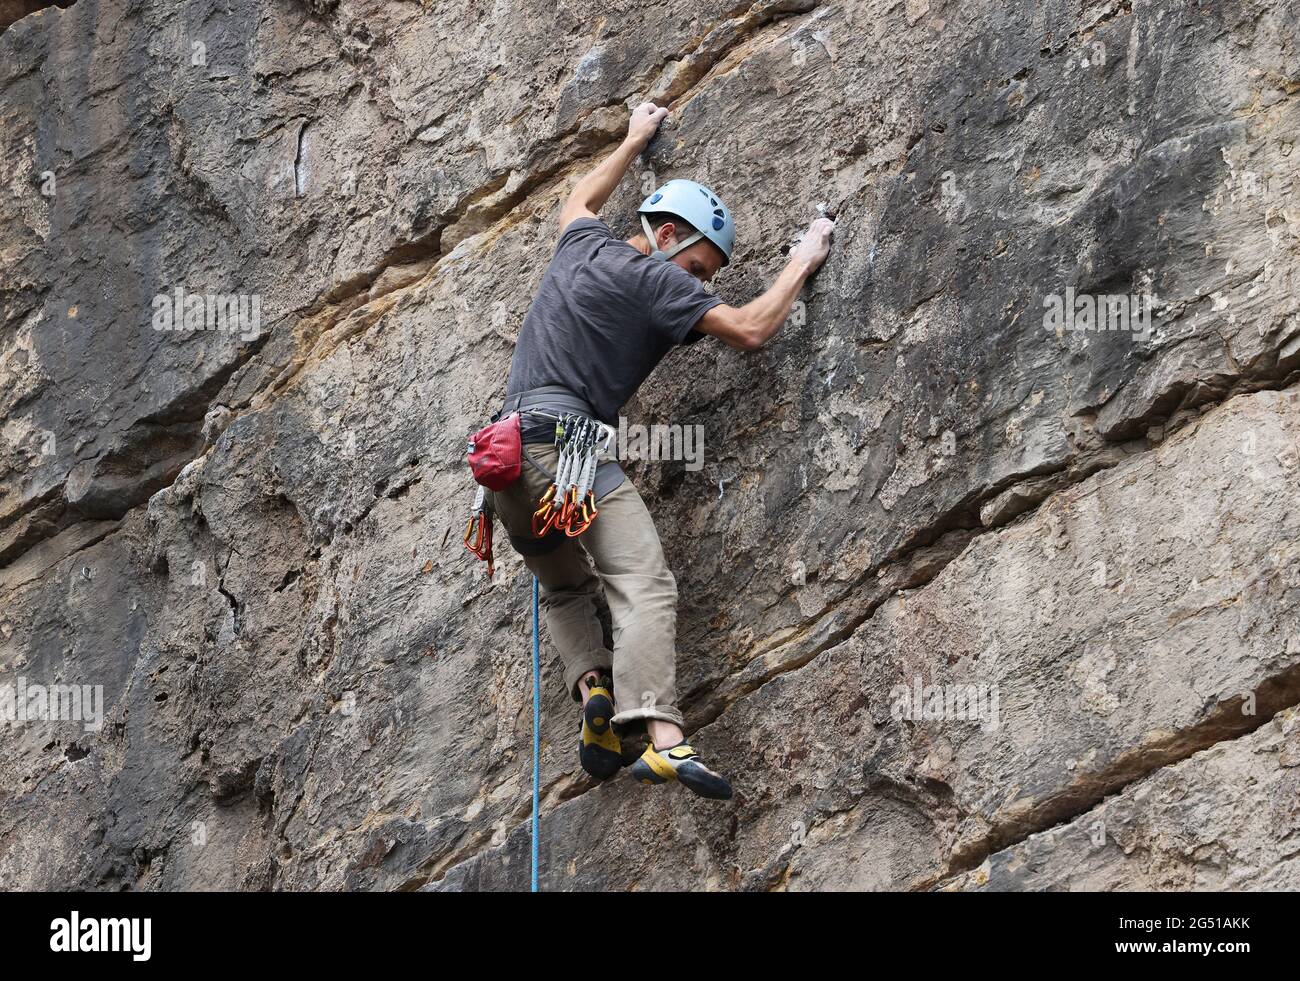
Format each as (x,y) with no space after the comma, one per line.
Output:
(606,312)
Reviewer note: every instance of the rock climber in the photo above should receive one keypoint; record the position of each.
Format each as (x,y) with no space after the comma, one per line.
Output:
(606,312)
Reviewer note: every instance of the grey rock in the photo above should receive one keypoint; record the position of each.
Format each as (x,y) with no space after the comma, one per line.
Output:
(1225,818)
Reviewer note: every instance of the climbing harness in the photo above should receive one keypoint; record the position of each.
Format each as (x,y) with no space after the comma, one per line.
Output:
(568,507)
(569,503)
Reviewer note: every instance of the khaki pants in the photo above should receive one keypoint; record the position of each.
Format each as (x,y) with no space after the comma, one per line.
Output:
(624,549)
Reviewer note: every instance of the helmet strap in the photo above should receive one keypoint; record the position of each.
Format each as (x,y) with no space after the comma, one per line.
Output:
(660,253)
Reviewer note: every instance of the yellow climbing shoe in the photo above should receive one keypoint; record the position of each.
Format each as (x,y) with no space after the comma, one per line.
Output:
(599,749)
(683,764)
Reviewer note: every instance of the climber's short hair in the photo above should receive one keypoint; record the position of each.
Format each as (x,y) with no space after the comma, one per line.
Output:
(683,229)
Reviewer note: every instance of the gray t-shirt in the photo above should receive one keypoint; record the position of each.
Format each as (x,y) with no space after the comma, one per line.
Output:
(603,317)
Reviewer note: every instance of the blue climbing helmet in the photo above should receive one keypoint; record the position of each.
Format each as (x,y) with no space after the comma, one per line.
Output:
(698,206)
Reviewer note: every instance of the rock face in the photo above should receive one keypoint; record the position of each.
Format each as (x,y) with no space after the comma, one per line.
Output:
(974,595)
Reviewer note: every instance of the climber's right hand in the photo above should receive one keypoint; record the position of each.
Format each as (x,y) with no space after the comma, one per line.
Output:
(644,123)
(815,244)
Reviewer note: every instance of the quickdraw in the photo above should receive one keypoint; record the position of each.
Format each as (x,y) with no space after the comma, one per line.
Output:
(478,533)
(569,504)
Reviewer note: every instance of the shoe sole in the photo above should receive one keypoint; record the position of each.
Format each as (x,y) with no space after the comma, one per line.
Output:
(696,778)
(703,782)
(599,749)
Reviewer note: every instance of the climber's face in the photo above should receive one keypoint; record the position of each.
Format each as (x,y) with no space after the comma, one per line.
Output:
(702,260)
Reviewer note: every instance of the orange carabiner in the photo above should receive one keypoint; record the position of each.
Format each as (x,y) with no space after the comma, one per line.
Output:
(480,545)
(589,513)
(476,546)
(544,516)
(560,514)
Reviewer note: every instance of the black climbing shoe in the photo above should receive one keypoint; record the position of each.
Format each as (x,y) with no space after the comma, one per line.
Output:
(599,749)
(683,764)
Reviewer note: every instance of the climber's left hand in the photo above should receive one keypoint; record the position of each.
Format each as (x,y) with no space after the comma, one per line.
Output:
(645,123)
(815,244)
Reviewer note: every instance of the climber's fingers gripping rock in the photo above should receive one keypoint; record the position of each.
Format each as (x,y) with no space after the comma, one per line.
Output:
(645,122)
(816,243)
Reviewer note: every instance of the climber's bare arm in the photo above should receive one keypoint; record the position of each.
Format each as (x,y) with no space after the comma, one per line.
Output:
(591,193)
(749,327)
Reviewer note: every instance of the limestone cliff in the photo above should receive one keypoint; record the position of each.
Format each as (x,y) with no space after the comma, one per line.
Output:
(929,480)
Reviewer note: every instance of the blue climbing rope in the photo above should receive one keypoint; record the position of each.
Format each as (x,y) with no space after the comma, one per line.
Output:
(537,731)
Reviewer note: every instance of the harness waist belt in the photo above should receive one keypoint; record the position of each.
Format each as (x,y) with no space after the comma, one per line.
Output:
(558,400)
(548,398)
